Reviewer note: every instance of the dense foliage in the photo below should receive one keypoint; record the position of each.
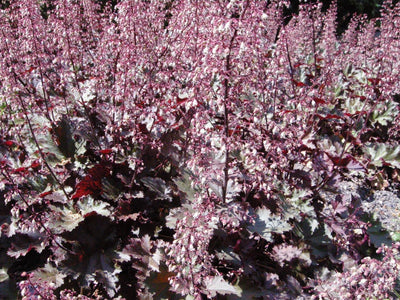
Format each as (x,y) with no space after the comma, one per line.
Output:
(196,149)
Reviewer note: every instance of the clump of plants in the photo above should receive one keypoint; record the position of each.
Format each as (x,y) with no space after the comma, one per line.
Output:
(195,150)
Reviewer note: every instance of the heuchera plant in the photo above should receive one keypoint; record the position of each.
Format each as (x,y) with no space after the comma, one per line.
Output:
(195,149)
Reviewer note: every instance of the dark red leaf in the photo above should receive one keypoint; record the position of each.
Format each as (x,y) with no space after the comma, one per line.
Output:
(344,161)
(340,162)
(287,111)
(180,101)
(361,97)
(89,214)
(87,186)
(106,151)
(98,172)
(91,183)
(19,170)
(319,100)
(176,126)
(299,83)
(328,116)
(232,132)
(35,164)
(374,81)
(142,128)
(42,195)
(160,119)
(28,71)
(81,255)
(237,246)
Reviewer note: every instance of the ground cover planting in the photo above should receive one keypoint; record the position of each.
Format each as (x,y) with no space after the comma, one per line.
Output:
(183,149)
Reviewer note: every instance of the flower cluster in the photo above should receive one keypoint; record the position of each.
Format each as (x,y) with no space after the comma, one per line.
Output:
(188,256)
(372,278)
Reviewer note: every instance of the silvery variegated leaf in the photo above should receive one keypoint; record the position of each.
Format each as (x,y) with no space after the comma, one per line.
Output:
(267,223)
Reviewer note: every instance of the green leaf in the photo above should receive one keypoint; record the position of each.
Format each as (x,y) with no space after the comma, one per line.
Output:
(395,236)
(249,290)
(45,140)
(297,203)
(23,243)
(49,274)
(228,255)
(378,235)
(7,286)
(217,285)
(176,214)
(157,284)
(67,218)
(381,153)
(353,105)
(64,219)
(3,275)
(385,115)
(158,186)
(318,240)
(89,205)
(184,184)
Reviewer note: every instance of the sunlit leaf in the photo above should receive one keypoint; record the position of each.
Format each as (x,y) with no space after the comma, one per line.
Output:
(217,285)
(50,275)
